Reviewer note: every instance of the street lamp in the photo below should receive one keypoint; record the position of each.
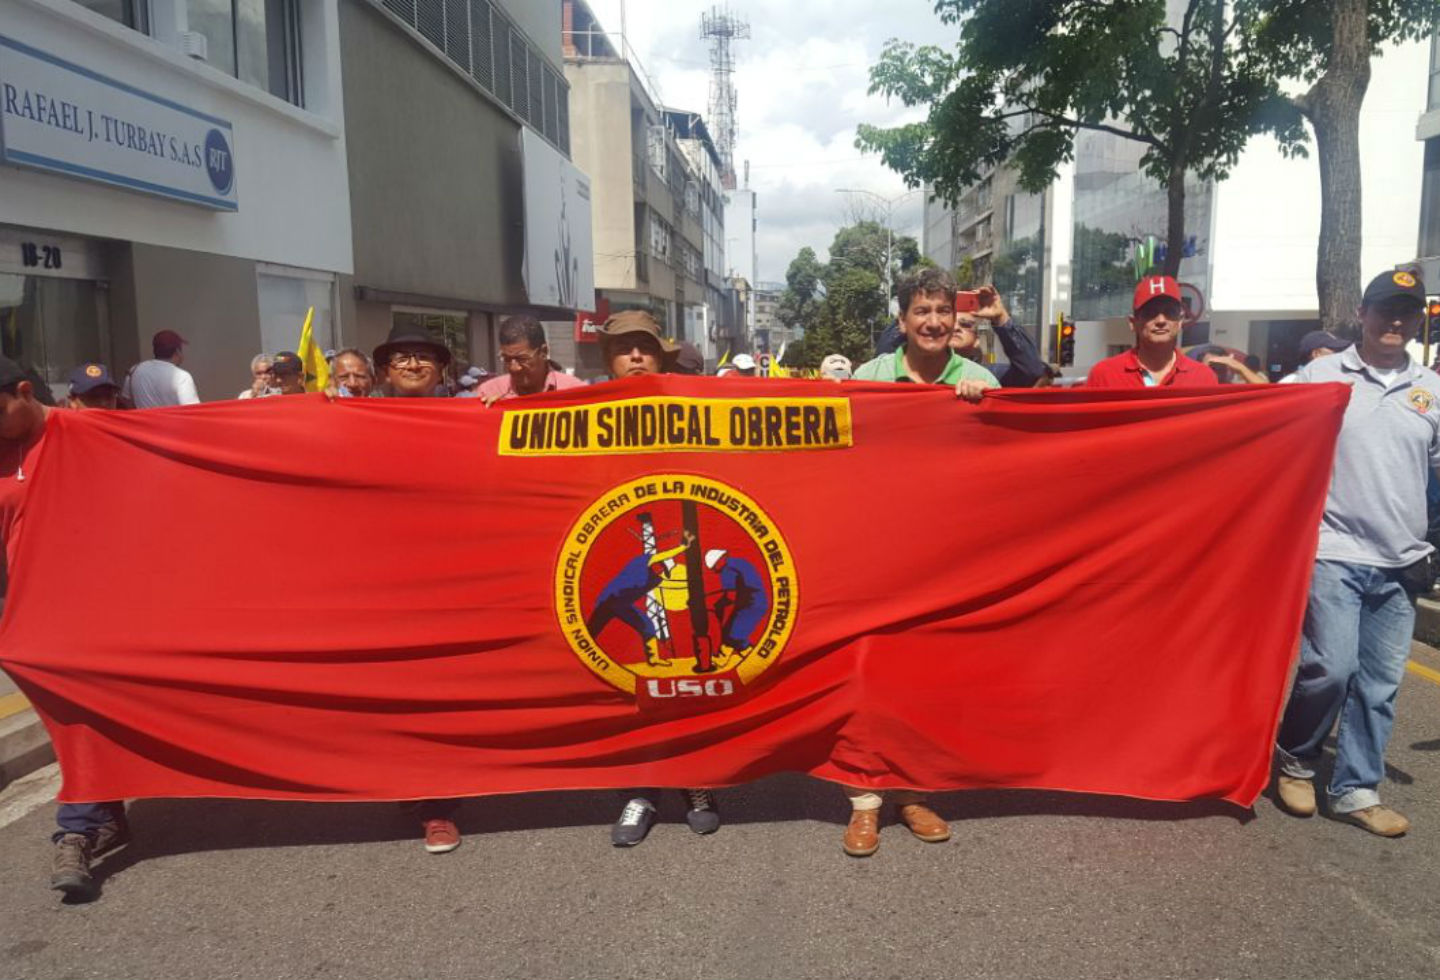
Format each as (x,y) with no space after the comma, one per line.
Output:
(889,203)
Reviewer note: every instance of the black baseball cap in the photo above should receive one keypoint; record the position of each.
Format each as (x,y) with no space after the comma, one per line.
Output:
(286,362)
(1396,282)
(1316,339)
(87,377)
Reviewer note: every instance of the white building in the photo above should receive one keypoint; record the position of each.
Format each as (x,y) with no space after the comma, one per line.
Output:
(162,170)
(1251,239)
(740,225)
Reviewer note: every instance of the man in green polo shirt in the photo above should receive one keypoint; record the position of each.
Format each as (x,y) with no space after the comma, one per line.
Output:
(927,319)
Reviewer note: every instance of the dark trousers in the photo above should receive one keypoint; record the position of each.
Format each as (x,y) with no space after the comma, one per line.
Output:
(87,818)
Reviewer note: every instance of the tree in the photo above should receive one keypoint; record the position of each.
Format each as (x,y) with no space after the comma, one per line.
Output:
(840,304)
(1029,75)
(1328,45)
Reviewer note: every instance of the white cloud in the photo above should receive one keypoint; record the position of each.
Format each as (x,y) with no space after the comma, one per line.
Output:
(800,82)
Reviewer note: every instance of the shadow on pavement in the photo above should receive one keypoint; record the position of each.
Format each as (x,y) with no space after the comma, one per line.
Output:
(169,827)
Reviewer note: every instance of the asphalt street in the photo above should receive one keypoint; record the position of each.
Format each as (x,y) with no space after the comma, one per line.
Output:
(1031,884)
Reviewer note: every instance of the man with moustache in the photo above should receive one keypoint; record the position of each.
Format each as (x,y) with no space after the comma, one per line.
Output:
(1156,360)
(412,364)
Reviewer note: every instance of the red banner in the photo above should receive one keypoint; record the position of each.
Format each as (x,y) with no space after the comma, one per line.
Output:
(675,582)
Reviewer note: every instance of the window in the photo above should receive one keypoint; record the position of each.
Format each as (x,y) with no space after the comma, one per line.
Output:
(1434,100)
(48,326)
(450,327)
(659,238)
(131,13)
(1430,200)
(257,41)
(285,296)
(655,149)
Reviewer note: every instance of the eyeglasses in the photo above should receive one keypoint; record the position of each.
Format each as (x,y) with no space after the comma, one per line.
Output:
(519,360)
(419,358)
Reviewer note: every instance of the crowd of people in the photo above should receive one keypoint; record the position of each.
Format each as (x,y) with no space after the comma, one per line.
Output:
(1372,558)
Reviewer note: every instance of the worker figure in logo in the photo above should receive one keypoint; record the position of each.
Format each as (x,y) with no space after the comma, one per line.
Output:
(640,576)
(742,607)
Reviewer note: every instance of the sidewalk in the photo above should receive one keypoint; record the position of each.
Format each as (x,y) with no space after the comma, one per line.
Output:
(24,745)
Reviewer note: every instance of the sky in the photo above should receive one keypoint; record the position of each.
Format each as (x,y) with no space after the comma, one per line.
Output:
(800,81)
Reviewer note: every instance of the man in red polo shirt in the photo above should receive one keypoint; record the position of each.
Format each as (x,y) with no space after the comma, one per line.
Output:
(1156,360)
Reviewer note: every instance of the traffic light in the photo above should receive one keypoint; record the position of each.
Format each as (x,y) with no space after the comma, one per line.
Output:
(1067,342)
(1431,331)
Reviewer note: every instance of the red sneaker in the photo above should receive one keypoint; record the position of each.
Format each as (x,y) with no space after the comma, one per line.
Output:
(441,836)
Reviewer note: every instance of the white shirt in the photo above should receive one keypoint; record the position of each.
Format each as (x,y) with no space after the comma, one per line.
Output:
(153,384)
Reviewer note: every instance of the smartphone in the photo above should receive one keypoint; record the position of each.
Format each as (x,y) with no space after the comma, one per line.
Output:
(967,301)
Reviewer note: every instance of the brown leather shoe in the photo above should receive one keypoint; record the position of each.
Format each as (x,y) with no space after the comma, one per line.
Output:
(1378,819)
(924,823)
(862,837)
(1296,795)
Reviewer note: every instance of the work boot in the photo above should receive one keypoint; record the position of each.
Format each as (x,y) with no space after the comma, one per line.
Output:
(1295,795)
(1378,819)
(70,871)
(111,836)
(635,822)
(703,816)
(862,837)
(924,823)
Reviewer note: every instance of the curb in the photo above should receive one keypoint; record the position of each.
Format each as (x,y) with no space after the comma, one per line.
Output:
(1427,621)
(24,745)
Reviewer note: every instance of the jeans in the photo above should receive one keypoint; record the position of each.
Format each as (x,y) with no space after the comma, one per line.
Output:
(1358,626)
(86,818)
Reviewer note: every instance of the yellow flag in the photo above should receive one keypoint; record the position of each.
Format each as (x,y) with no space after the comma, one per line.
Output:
(724,359)
(776,370)
(312,358)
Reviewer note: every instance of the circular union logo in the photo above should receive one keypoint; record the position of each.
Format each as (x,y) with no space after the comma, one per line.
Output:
(1421,400)
(93,371)
(676,582)
(219,163)
(1404,280)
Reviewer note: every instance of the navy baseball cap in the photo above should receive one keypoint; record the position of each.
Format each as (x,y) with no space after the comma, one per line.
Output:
(11,373)
(1316,339)
(1397,282)
(87,377)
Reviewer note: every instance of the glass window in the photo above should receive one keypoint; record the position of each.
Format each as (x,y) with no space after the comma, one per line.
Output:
(131,13)
(48,326)
(284,299)
(257,41)
(1430,200)
(450,327)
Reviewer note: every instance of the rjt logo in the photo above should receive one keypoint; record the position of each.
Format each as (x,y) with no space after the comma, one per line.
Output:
(669,687)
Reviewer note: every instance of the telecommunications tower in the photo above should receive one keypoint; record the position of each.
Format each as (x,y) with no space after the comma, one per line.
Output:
(720,27)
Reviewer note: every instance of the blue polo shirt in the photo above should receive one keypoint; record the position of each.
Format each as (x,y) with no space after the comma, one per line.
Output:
(1389,441)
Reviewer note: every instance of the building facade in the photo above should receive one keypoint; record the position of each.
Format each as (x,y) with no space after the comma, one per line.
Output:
(464,201)
(1428,132)
(176,165)
(1249,253)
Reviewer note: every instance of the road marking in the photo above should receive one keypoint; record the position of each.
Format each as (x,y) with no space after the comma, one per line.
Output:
(1420,670)
(13,704)
(29,793)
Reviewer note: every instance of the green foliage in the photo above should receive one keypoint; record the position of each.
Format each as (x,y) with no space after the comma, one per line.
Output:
(1102,264)
(840,305)
(1297,35)
(1028,75)
(965,273)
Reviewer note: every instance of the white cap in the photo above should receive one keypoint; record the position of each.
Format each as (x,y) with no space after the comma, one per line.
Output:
(743,362)
(714,556)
